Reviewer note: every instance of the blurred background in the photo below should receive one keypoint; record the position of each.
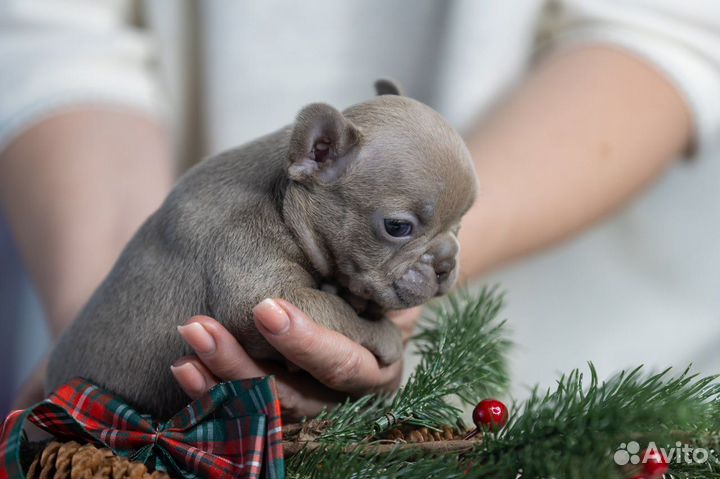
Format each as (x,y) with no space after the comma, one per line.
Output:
(594,126)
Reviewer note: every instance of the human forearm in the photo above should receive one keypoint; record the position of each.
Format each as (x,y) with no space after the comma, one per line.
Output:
(581,136)
(74,189)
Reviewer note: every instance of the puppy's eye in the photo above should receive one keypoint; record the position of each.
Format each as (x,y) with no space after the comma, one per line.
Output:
(398,228)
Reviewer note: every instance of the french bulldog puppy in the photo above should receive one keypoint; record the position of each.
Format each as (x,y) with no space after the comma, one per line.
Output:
(369,199)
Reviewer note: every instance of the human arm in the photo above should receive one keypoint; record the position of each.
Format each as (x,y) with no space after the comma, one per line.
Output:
(84,157)
(74,189)
(624,89)
(586,132)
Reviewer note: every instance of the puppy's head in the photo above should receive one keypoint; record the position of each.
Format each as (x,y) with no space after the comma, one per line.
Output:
(385,184)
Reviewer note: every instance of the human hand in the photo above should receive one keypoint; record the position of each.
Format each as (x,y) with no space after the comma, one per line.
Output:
(325,366)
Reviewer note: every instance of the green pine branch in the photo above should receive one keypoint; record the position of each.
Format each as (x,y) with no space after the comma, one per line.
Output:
(571,430)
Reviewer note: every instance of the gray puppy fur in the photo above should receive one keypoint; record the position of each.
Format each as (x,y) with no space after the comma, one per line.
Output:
(369,199)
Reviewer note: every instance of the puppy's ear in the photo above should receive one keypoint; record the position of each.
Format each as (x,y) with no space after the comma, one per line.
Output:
(385,86)
(320,145)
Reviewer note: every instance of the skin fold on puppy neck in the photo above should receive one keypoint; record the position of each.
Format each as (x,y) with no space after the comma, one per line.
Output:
(297,220)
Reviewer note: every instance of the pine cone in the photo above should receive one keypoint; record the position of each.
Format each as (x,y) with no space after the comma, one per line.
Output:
(63,463)
(70,460)
(406,433)
(413,434)
(47,460)
(416,436)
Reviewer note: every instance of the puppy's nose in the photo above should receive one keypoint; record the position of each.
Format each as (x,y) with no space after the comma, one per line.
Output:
(444,254)
(444,267)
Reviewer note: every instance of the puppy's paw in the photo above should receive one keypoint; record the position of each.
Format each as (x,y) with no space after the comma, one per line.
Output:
(387,345)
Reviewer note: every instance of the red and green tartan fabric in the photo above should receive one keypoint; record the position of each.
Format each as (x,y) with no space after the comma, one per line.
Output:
(234,430)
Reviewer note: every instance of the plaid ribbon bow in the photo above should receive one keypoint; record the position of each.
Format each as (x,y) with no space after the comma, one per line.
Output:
(234,430)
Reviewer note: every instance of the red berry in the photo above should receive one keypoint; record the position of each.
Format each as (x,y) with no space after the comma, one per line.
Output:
(490,414)
(655,463)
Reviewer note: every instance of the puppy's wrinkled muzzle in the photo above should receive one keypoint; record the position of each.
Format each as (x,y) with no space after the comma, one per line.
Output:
(417,285)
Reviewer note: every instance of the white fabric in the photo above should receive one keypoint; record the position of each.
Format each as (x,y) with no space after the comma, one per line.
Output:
(641,287)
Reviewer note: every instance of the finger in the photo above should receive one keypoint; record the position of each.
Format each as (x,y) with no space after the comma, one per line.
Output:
(330,357)
(218,350)
(193,376)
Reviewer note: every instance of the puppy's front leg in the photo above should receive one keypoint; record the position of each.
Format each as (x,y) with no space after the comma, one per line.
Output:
(380,336)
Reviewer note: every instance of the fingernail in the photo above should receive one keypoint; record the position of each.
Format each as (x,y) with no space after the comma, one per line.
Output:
(198,338)
(189,376)
(272,316)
